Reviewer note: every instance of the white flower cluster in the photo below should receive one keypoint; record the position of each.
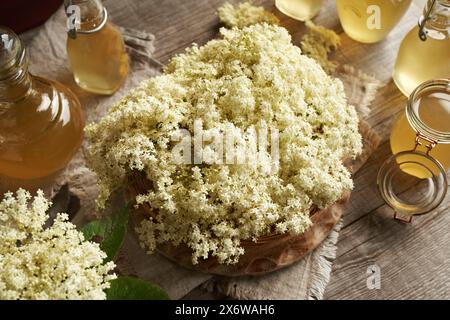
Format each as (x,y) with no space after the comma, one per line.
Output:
(251,75)
(46,263)
(318,43)
(244,14)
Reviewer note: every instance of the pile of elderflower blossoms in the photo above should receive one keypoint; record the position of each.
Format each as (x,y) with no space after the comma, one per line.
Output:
(46,263)
(253,77)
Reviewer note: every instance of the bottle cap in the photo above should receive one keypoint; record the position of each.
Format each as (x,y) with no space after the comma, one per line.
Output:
(11,51)
(82,12)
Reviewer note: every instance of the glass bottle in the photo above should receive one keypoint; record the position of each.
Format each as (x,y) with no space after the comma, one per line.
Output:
(414,180)
(41,121)
(424,53)
(370,21)
(299,9)
(95,48)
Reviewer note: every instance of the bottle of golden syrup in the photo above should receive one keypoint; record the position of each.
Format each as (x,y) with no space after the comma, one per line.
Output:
(370,21)
(424,53)
(95,48)
(41,121)
(299,9)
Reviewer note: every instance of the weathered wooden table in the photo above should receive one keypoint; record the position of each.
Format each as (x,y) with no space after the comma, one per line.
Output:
(414,259)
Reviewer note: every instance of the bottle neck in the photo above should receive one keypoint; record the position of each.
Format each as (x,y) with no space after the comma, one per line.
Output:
(435,21)
(90,14)
(15,82)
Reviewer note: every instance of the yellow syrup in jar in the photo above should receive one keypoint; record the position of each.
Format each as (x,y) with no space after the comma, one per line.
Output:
(98,60)
(435,113)
(370,21)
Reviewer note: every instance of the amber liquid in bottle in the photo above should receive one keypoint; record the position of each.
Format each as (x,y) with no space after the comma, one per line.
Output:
(41,128)
(98,60)
(355,15)
(418,60)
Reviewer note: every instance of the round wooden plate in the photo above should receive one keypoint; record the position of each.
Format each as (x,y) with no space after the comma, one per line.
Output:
(267,254)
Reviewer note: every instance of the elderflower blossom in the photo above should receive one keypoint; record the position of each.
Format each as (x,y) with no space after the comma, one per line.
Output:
(251,77)
(244,14)
(46,263)
(318,43)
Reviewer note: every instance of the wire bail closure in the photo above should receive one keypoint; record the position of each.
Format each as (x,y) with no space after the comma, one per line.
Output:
(429,145)
(424,18)
(72,33)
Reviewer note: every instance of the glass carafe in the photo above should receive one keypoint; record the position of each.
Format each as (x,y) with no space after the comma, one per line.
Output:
(424,53)
(95,48)
(41,121)
(370,21)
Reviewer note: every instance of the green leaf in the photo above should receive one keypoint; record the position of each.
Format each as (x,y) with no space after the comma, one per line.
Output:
(129,288)
(112,230)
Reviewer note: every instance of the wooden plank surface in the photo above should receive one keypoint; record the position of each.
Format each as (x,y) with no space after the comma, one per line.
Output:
(414,259)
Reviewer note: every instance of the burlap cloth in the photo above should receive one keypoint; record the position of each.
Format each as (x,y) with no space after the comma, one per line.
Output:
(304,280)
